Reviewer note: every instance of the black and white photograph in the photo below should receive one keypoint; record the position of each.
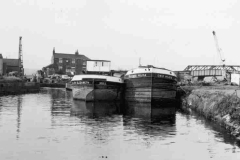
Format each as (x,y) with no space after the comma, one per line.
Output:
(119,80)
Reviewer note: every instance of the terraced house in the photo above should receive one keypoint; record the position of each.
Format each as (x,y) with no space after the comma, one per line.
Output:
(63,63)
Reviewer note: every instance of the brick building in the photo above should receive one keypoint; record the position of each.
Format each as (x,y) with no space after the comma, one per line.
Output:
(11,65)
(63,63)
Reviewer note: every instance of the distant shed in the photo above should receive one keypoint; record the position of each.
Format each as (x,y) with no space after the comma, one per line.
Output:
(10,65)
(235,78)
(102,66)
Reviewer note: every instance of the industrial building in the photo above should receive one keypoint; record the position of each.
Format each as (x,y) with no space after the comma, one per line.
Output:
(12,66)
(229,73)
(8,66)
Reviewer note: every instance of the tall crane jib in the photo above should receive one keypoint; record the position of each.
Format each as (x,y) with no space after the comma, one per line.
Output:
(20,57)
(219,50)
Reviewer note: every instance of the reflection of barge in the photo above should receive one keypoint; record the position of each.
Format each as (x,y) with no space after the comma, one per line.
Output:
(94,109)
(151,111)
(96,87)
(150,84)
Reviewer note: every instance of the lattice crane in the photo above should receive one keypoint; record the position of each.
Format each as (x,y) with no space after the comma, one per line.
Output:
(20,58)
(219,50)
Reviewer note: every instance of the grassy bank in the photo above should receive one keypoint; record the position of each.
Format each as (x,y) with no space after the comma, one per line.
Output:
(216,103)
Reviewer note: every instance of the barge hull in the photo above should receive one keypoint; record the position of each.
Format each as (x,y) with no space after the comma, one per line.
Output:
(150,89)
(96,92)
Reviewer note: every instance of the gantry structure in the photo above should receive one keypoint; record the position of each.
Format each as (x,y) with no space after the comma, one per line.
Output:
(212,70)
(228,68)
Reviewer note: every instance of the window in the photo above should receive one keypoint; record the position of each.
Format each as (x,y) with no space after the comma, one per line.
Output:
(73,60)
(84,62)
(99,63)
(105,64)
(70,70)
(60,67)
(60,60)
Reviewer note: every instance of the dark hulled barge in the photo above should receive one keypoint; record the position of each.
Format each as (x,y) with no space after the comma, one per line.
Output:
(150,84)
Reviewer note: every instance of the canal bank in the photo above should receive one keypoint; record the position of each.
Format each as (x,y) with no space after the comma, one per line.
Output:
(217,103)
(53,85)
(14,85)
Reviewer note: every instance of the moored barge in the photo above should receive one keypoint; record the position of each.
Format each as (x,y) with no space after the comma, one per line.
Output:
(97,87)
(150,84)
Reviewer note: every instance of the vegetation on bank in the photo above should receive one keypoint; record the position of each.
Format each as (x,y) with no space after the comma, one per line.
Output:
(218,106)
(10,79)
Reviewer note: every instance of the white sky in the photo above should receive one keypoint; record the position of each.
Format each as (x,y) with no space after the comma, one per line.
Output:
(170,34)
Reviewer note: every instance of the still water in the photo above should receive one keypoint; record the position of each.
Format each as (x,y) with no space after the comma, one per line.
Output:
(50,125)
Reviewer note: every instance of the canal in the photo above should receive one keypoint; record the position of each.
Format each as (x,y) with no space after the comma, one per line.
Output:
(50,125)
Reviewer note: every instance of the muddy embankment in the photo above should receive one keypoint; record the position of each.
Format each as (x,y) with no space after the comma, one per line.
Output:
(217,103)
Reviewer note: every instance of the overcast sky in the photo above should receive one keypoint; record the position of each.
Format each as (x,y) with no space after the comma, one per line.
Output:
(170,34)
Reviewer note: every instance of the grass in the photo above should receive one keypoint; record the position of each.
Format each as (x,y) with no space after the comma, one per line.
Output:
(217,104)
(10,79)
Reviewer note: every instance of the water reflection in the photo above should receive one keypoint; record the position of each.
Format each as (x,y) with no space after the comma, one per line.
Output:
(218,131)
(50,125)
(95,109)
(61,101)
(12,106)
(19,112)
(149,122)
(151,112)
(101,120)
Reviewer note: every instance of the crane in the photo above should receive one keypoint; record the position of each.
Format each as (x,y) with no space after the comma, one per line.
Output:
(219,50)
(20,58)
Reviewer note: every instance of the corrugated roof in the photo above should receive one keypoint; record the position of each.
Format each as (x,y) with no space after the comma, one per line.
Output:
(11,62)
(72,56)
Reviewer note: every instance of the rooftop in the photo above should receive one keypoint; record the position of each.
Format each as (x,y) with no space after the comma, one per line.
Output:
(100,60)
(72,56)
(49,66)
(11,62)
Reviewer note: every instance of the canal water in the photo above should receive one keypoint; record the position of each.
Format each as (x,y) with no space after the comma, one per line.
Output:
(50,125)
